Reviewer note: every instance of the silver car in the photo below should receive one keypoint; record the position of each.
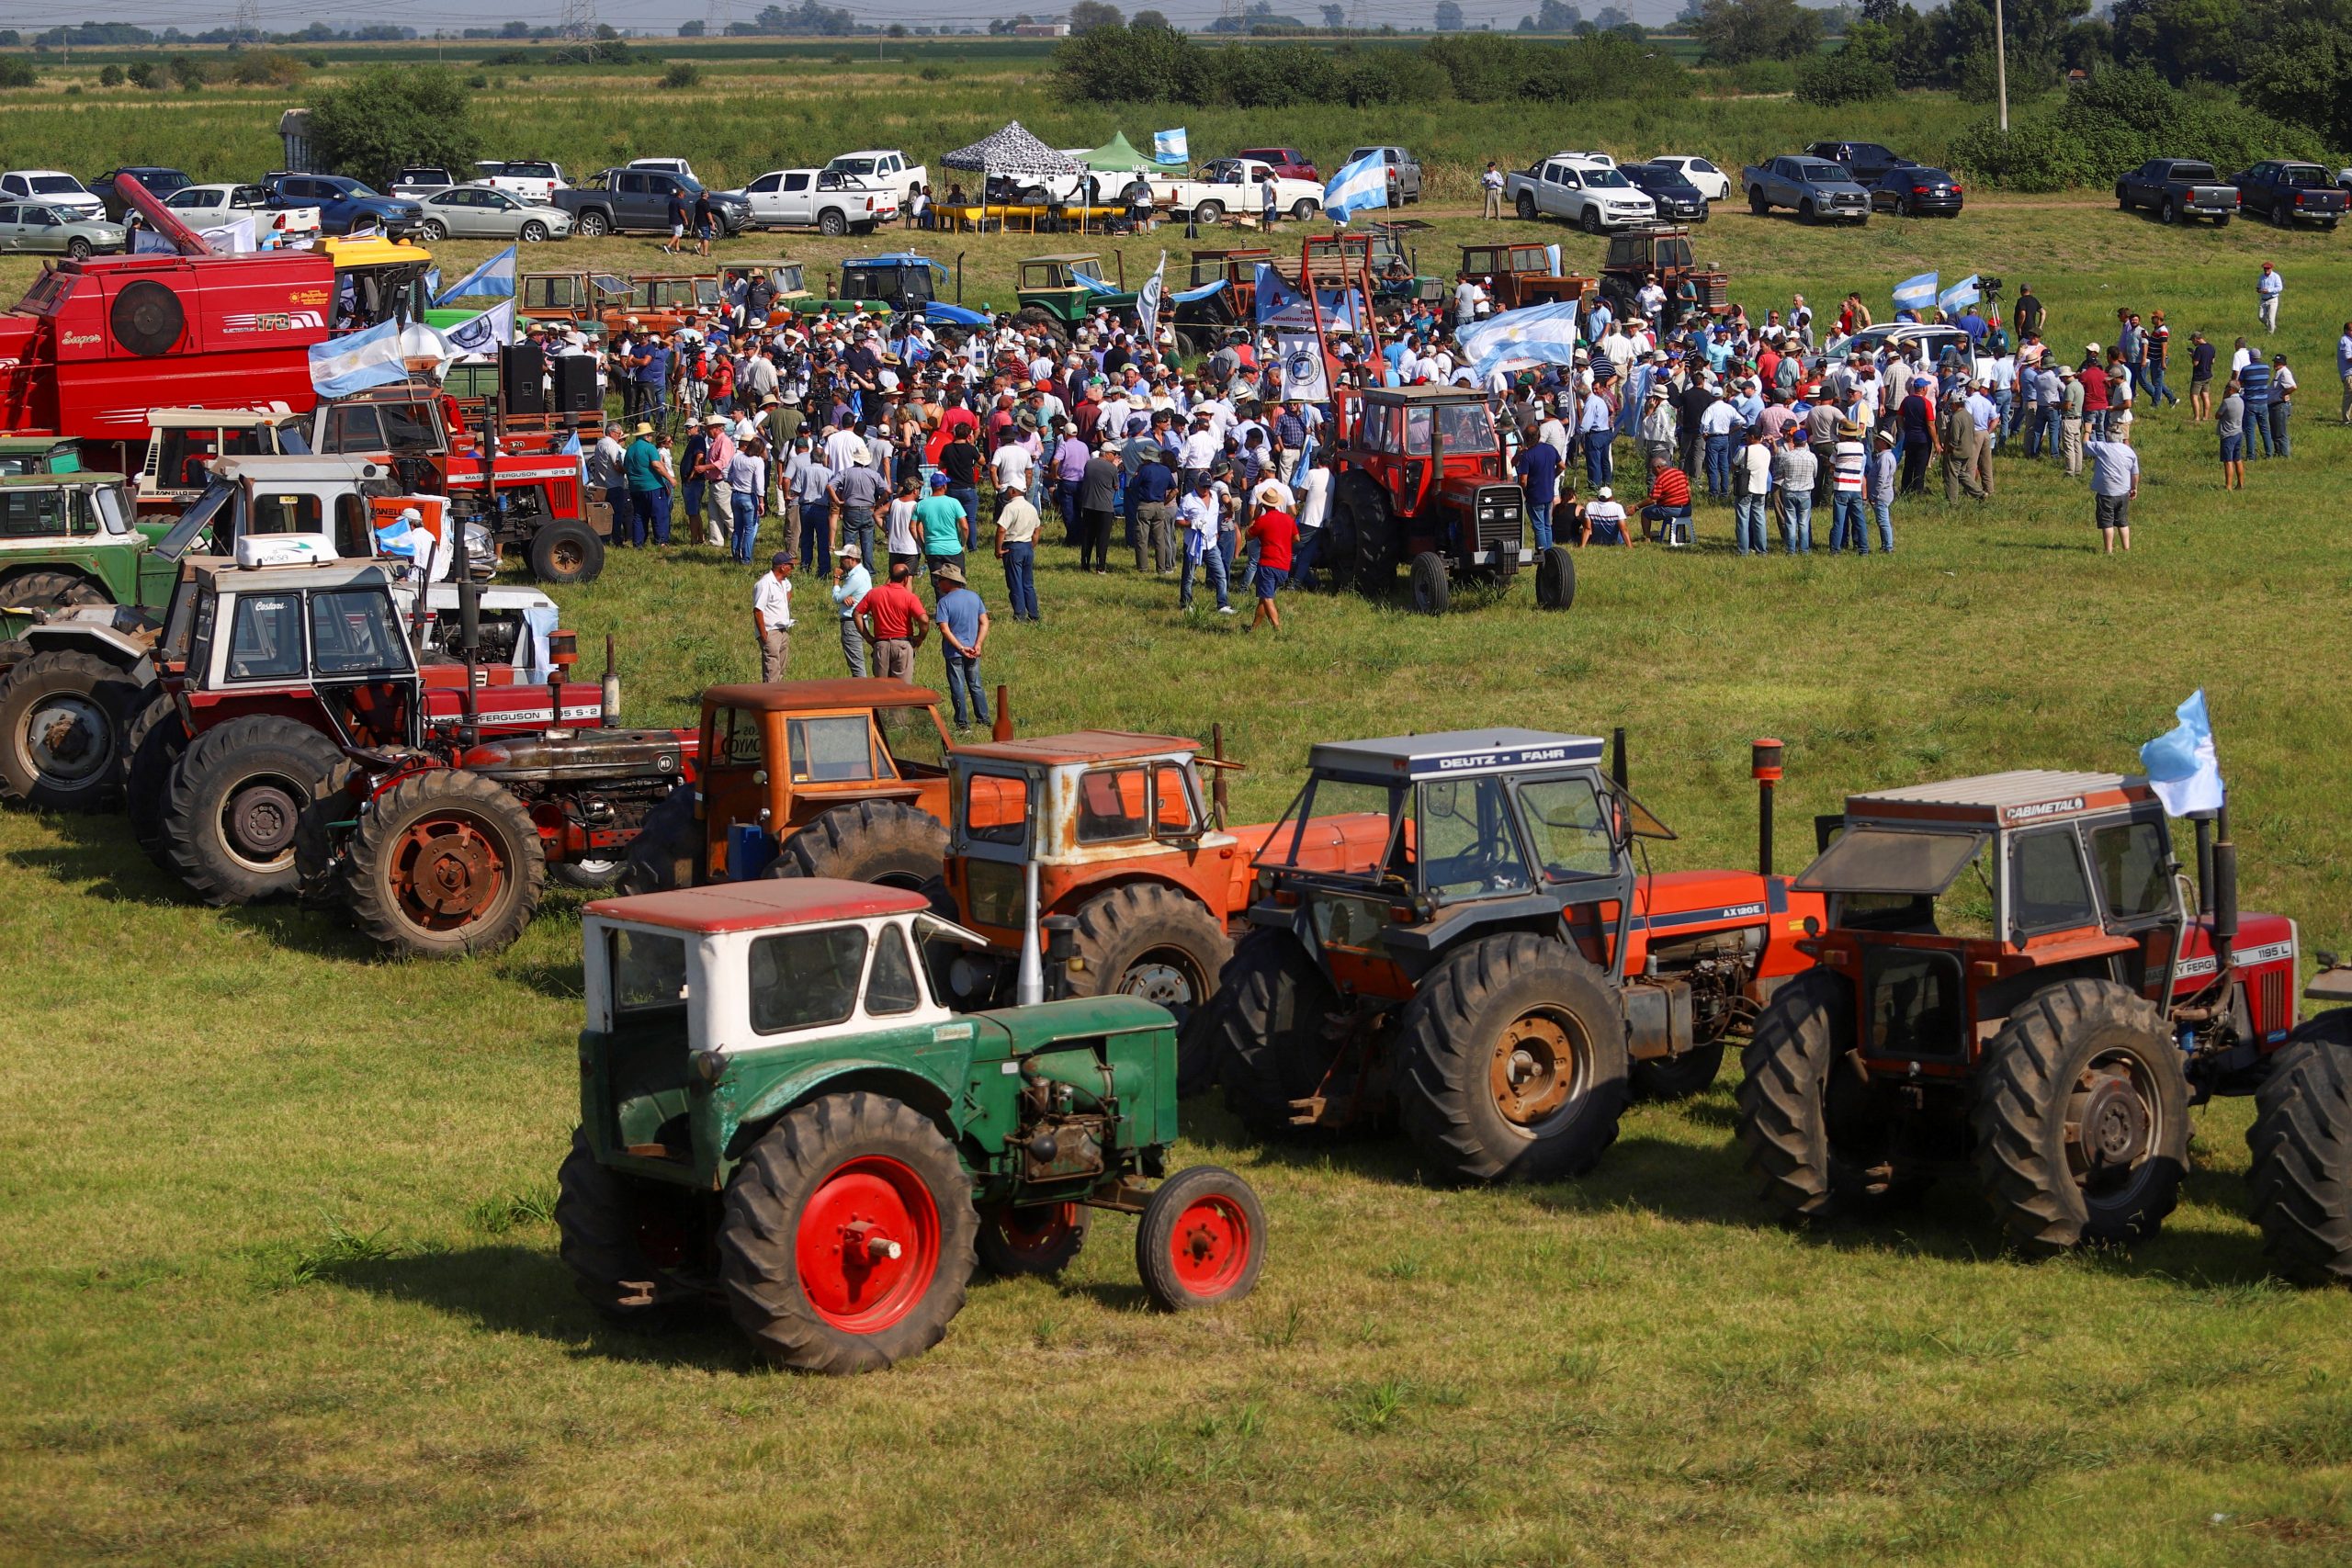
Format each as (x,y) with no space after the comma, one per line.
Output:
(479,212)
(32,227)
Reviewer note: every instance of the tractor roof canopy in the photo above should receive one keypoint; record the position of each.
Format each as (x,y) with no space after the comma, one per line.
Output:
(799,697)
(1451,753)
(1080,746)
(2015,799)
(1422,397)
(762,905)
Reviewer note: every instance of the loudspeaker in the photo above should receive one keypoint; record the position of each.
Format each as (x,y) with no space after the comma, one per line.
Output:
(575,384)
(521,369)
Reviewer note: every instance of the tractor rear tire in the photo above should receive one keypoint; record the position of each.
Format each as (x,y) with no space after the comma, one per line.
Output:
(2302,1143)
(319,872)
(61,731)
(886,841)
(567,552)
(2093,1057)
(1786,1120)
(1266,1030)
(1041,1240)
(52,590)
(1202,1240)
(667,850)
(1676,1077)
(1555,579)
(1500,1015)
(603,1223)
(1432,592)
(594,876)
(791,1279)
(153,744)
(446,862)
(235,799)
(1143,940)
(1038,316)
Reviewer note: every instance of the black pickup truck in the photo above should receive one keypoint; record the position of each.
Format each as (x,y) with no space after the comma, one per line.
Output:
(2177,189)
(615,201)
(2289,194)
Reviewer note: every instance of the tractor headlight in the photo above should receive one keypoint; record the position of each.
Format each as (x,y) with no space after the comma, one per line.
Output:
(478,543)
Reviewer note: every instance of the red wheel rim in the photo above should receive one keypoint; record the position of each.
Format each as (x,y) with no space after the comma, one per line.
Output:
(868,1244)
(1038,1234)
(445,871)
(1210,1245)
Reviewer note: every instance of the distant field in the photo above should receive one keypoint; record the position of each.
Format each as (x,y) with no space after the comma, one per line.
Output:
(276,1285)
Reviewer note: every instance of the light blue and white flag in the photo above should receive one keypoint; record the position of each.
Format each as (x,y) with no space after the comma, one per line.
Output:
(494,279)
(1303,368)
(433,282)
(1960,295)
(1360,185)
(375,356)
(1170,147)
(1148,298)
(1552,254)
(2182,767)
(1511,340)
(1915,293)
(1285,308)
(482,333)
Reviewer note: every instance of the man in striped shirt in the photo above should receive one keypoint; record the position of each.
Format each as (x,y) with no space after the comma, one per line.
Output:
(1669,503)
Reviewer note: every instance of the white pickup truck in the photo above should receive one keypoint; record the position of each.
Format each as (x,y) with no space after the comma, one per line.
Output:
(1236,184)
(823,200)
(533,180)
(1580,190)
(883,167)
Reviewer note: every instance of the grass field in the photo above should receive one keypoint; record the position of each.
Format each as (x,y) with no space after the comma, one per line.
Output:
(279,1285)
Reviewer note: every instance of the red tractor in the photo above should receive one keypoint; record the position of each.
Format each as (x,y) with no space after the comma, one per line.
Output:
(1485,963)
(2012,983)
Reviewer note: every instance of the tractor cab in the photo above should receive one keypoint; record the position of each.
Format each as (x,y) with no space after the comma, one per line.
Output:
(776,757)
(1522,273)
(1221,293)
(1662,250)
(37,454)
(787,281)
(69,538)
(325,640)
(333,499)
(378,280)
(1424,483)
(1950,904)
(904,282)
(1395,265)
(1069,289)
(662,302)
(182,444)
(573,296)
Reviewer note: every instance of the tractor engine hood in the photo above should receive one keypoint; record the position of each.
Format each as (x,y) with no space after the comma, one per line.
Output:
(607,755)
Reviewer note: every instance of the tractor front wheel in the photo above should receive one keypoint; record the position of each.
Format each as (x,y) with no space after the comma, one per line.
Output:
(618,1235)
(567,552)
(1676,1077)
(52,590)
(1152,941)
(847,1239)
(1267,1031)
(1806,1123)
(1039,1239)
(153,744)
(1202,1240)
(2302,1143)
(1432,592)
(446,862)
(667,850)
(2081,1119)
(869,840)
(235,798)
(61,731)
(1555,579)
(1513,1055)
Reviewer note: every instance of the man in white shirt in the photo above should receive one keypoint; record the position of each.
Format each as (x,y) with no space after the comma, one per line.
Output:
(1011,466)
(850,583)
(1200,449)
(1202,514)
(772,616)
(1314,509)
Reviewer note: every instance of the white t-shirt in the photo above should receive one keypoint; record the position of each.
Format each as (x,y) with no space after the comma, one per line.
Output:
(1755,461)
(1012,464)
(773,599)
(899,529)
(1317,485)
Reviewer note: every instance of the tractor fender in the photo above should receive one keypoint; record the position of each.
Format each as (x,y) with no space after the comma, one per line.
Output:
(100,639)
(1419,949)
(1076,898)
(840,1076)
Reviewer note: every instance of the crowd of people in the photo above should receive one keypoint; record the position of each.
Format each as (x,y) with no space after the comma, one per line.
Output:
(887,456)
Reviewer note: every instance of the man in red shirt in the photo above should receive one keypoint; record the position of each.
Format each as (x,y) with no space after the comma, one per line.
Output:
(1669,502)
(1276,532)
(2093,376)
(893,620)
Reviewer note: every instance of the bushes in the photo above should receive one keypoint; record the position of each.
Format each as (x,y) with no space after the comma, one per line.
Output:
(2118,122)
(1862,70)
(110,77)
(17,73)
(682,74)
(1765,75)
(393,115)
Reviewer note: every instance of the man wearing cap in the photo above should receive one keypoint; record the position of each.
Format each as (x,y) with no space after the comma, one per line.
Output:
(1604,520)
(1752,492)
(1016,549)
(963,630)
(772,616)
(1848,482)
(1960,440)
(1879,489)
(1795,470)
(939,524)
(894,624)
(2266,289)
(2115,481)
(852,582)
(645,468)
(1098,498)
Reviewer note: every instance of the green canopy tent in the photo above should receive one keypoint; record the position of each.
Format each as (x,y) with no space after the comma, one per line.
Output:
(1116,157)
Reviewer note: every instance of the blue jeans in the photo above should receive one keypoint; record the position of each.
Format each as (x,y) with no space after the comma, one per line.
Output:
(649,514)
(1718,466)
(1021,580)
(616,497)
(1885,511)
(816,532)
(747,527)
(694,489)
(1538,513)
(1796,521)
(1302,553)
(2278,429)
(1666,517)
(2154,385)
(1065,502)
(1747,525)
(2042,429)
(2257,429)
(962,679)
(968,498)
(1199,552)
(857,528)
(1847,526)
(2004,401)
(1598,466)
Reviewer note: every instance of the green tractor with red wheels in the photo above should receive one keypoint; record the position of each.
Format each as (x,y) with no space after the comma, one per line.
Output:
(779,1114)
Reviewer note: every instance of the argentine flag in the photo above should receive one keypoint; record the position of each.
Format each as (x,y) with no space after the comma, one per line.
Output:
(374,357)
(1960,296)
(1915,293)
(1534,334)
(494,279)
(1170,147)
(2182,767)
(1362,185)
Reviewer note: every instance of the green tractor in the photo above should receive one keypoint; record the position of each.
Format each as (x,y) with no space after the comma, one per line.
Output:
(1058,292)
(778,1113)
(68,537)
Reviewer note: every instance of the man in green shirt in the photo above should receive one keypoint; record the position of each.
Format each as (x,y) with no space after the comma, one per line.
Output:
(784,422)
(645,467)
(939,521)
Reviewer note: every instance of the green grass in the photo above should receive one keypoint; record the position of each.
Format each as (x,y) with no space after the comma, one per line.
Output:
(277,1284)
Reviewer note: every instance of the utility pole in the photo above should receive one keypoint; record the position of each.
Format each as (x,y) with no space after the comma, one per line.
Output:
(2001,66)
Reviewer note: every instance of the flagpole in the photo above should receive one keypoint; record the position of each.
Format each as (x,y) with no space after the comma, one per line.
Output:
(2001,66)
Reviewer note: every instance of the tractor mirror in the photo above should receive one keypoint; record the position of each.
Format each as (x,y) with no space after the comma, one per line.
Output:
(1811,925)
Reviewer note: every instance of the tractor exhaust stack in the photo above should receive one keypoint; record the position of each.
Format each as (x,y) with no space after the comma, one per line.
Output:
(1764,766)
(1002,730)
(2225,894)
(2204,821)
(1617,756)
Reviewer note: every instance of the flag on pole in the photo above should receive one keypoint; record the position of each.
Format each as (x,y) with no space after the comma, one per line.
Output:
(1915,293)
(1147,299)
(482,333)
(1960,296)
(433,282)
(1170,147)
(1360,185)
(375,356)
(2182,766)
(1303,368)
(494,279)
(1534,334)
